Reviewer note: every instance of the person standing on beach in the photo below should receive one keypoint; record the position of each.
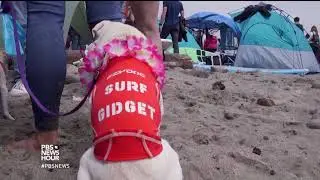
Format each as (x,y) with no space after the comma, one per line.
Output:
(297,22)
(46,58)
(314,41)
(314,37)
(128,15)
(170,22)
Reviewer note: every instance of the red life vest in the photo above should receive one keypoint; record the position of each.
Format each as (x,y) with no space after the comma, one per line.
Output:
(125,112)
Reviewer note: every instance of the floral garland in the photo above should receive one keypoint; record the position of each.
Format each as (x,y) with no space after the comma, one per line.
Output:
(97,57)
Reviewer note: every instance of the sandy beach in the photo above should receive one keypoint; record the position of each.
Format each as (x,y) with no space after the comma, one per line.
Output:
(224,126)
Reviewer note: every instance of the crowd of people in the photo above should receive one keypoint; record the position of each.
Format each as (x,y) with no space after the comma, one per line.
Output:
(312,36)
(172,22)
(172,17)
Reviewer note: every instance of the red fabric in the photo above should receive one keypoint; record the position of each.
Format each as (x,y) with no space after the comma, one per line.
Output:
(211,42)
(126,148)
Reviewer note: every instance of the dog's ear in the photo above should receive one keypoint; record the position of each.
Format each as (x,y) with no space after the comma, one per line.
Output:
(96,29)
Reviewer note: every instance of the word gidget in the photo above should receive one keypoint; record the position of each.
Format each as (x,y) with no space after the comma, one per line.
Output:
(117,108)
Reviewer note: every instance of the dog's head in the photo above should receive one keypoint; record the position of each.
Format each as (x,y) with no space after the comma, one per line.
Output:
(105,31)
(115,39)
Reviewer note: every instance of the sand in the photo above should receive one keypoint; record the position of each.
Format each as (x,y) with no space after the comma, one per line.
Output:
(213,120)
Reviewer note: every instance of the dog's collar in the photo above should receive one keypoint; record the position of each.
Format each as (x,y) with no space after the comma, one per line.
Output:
(97,57)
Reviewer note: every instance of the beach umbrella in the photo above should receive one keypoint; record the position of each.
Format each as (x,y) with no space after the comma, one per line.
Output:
(210,20)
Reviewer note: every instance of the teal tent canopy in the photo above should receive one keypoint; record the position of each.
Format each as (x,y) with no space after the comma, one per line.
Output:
(188,48)
(273,42)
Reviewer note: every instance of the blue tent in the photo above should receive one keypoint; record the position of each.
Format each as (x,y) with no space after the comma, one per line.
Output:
(274,42)
(226,25)
(202,20)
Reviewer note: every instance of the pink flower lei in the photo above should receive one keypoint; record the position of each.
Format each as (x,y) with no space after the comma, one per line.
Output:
(97,57)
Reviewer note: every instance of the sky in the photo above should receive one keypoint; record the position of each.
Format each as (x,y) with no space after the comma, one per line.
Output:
(308,11)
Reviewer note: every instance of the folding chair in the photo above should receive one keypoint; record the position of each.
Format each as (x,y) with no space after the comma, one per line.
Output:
(209,58)
(228,57)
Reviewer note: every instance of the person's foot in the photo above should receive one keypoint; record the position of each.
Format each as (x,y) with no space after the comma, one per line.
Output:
(18,89)
(34,142)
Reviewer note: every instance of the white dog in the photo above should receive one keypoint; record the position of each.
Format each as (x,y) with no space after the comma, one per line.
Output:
(119,163)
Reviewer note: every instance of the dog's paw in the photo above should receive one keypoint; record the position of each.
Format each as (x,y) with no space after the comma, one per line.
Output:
(8,116)
(78,63)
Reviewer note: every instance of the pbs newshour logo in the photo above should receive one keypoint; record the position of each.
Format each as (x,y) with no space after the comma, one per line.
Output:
(49,152)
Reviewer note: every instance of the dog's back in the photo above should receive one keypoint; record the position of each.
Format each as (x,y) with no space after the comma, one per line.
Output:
(165,166)
(162,166)
(126,108)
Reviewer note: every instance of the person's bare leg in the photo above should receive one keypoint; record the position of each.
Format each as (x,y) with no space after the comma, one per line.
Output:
(175,38)
(34,142)
(146,16)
